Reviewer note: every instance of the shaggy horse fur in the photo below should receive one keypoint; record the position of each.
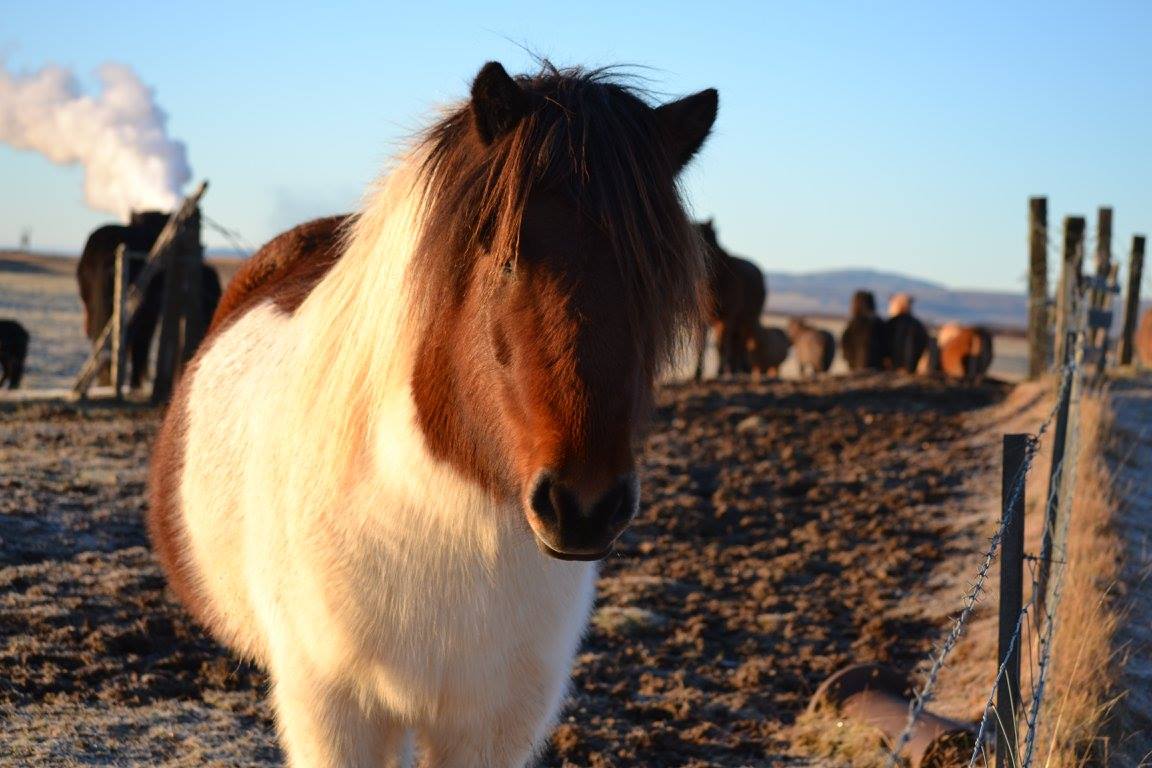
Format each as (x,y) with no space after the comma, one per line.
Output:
(409,432)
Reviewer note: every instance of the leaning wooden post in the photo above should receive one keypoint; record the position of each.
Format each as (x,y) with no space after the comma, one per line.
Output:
(1132,301)
(1015,452)
(168,357)
(1038,330)
(1070,266)
(119,321)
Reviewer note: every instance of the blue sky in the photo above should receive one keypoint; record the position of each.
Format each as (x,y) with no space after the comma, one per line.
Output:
(897,136)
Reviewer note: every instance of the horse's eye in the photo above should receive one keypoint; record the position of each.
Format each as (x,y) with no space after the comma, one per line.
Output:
(508,267)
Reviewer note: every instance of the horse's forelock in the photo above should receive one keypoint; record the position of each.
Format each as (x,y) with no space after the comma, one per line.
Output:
(590,138)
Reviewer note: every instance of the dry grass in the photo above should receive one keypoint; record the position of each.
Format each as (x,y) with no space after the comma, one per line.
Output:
(1085,696)
(842,742)
(1083,676)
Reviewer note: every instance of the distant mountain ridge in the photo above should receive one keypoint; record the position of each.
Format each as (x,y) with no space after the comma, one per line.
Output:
(827,293)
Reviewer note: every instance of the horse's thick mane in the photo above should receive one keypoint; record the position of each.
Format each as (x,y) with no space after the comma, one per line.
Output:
(589,136)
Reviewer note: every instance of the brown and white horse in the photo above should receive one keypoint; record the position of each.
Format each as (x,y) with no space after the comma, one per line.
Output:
(410,433)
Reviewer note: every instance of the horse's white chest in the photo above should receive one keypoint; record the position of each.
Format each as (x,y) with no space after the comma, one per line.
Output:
(436,619)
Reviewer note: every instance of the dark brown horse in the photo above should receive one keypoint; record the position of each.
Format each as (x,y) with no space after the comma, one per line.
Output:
(13,351)
(389,467)
(739,292)
(863,343)
(95,274)
(905,337)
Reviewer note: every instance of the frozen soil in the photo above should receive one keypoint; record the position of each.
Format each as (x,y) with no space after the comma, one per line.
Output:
(788,529)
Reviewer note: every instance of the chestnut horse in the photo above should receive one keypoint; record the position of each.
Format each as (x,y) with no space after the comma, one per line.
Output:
(964,352)
(409,434)
(1144,339)
(739,291)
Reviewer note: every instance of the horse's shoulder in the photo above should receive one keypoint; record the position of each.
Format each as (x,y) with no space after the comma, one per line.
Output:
(285,270)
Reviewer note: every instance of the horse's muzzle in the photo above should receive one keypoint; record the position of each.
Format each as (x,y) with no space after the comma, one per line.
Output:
(568,529)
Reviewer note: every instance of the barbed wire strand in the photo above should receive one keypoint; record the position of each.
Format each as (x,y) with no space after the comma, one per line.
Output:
(972,596)
(238,241)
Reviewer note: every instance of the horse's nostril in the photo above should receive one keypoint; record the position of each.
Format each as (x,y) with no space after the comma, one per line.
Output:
(542,498)
(620,504)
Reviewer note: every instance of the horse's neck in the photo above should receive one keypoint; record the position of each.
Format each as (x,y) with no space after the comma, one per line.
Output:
(352,368)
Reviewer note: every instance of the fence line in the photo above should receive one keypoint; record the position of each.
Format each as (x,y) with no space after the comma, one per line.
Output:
(1071,376)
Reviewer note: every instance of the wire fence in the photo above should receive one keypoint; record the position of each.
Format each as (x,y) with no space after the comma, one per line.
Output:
(1031,635)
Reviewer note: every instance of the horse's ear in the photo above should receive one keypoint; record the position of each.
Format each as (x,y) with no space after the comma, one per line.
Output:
(498,102)
(687,123)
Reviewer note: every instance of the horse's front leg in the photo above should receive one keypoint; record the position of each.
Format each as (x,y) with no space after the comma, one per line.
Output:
(324,724)
(506,733)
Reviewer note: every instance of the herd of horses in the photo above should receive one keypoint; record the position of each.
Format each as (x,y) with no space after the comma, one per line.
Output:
(404,528)
(901,342)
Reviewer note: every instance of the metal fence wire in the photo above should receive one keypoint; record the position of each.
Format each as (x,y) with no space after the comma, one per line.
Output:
(1071,377)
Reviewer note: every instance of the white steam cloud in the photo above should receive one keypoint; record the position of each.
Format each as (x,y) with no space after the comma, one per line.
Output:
(119,135)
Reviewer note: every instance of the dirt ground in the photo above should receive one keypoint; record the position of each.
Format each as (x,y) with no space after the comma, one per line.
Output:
(788,529)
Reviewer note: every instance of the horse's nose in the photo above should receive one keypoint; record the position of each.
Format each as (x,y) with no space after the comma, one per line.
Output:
(580,526)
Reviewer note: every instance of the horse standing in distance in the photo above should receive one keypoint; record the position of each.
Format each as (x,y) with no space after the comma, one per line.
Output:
(96,276)
(403,528)
(863,342)
(905,337)
(739,291)
(767,350)
(964,352)
(13,351)
(815,347)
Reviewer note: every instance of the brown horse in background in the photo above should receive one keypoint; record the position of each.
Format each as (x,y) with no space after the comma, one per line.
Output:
(739,291)
(13,349)
(767,350)
(863,343)
(965,352)
(906,338)
(1144,338)
(815,347)
(95,277)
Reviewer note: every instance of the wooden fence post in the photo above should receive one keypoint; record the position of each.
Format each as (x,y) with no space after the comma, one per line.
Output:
(119,321)
(1069,286)
(1132,302)
(195,324)
(1013,481)
(1038,320)
(180,318)
(1103,240)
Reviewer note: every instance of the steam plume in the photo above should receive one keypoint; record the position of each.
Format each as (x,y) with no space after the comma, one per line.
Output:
(119,135)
